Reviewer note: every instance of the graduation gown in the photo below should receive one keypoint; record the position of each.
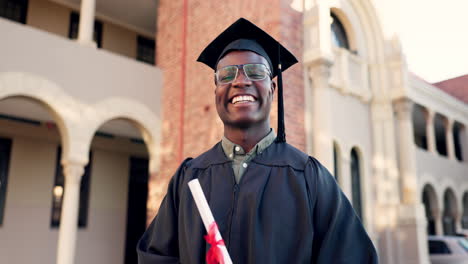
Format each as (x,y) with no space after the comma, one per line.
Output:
(287,208)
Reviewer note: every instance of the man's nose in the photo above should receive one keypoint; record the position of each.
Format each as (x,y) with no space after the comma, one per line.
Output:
(241,79)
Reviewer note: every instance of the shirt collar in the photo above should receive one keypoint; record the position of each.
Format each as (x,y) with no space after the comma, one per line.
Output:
(231,149)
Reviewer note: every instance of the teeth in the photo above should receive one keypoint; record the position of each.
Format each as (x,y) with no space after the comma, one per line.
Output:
(243,98)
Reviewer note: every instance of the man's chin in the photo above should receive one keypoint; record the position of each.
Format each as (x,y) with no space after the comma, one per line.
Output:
(243,123)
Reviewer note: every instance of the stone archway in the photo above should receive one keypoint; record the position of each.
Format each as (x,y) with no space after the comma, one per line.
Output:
(119,183)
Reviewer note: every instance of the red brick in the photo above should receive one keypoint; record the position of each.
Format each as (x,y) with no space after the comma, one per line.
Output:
(201,126)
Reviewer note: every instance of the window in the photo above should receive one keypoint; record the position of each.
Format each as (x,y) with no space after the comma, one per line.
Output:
(5,150)
(336,165)
(356,183)
(15,10)
(74,25)
(438,247)
(338,31)
(458,131)
(58,191)
(145,49)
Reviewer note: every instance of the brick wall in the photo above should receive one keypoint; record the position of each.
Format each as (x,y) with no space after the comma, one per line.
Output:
(201,125)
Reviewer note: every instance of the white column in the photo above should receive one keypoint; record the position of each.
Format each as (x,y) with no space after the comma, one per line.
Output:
(449,139)
(407,159)
(431,147)
(86,27)
(69,218)
(322,144)
(412,223)
(436,213)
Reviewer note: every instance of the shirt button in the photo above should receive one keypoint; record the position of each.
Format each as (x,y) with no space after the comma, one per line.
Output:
(230,155)
(237,148)
(244,165)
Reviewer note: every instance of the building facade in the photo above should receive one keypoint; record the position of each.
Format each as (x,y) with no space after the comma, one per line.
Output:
(79,130)
(91,131)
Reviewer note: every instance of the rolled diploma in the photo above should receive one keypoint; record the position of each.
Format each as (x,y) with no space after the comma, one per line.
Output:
(206,215)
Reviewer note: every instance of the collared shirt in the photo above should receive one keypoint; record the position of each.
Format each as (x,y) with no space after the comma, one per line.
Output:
(241,159)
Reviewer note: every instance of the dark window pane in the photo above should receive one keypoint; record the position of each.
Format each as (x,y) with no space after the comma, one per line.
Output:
(338,31)
(15,10)
(136,210)
(74,25)
(145,49)
(5,151)
(356,183)
(335,163)
(438,247)
(58,192)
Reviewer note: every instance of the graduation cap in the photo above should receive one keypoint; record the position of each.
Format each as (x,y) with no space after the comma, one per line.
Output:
(244,35)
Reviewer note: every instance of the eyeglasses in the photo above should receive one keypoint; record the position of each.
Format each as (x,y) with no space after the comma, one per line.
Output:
(253,71)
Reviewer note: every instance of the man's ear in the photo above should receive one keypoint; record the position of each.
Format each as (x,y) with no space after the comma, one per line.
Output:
(273,86)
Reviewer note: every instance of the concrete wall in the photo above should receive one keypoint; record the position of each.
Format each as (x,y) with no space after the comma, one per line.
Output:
(29,198)
(85,73)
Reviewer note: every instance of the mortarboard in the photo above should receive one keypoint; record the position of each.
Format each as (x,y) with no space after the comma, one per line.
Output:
(244,35)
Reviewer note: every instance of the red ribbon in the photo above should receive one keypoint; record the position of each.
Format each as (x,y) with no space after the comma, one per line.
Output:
(214,254)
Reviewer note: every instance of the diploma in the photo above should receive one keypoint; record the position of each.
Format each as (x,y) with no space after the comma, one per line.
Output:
(210,224)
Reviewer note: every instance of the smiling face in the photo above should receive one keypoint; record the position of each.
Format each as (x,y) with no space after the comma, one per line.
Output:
(244,103)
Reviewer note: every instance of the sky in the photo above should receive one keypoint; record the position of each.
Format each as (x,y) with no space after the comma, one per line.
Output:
(434,36)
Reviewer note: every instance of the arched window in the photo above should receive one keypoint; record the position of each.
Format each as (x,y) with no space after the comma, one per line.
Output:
(419,116)
(356,182)
(458,131)
(336,161)
(339,37)
(450,208)
(439,130)
(429,199)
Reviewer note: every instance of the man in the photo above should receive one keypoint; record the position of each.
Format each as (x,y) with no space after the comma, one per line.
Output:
(272,203)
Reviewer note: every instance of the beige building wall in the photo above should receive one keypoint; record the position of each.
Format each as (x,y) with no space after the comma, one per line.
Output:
(26,222)
(49,16)
(119,40)
(29,197)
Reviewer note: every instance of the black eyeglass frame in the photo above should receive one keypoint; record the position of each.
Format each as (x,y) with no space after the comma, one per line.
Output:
(243,69)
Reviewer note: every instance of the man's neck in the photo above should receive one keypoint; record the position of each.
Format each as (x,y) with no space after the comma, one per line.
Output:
(246,138)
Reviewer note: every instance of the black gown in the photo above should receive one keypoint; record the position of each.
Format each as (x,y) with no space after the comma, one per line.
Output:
(287,208)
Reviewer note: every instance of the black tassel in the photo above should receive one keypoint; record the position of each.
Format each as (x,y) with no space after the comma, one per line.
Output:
(281,137)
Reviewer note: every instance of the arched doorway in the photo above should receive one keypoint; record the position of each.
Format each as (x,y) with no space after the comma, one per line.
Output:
(450,212)
(429,199)
(118,194)
(30,131)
